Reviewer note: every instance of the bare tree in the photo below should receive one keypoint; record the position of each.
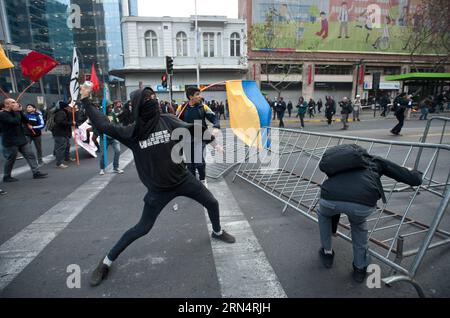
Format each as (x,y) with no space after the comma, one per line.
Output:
(429,32)
(263,36)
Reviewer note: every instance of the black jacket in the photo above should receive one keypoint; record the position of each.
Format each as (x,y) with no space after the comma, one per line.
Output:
(63,124)
(361,183)
(154,164)
(12,128)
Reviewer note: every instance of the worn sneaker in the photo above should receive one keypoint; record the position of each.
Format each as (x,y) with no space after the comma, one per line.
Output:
(327,259)
(62,166)
(102,172)
(205,183)
(119,171)
(3,192)
(40,175)
(99,274)
(9,179)
(224,237)
(359,275)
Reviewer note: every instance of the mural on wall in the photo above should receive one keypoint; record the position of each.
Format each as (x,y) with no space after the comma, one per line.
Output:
(335,25)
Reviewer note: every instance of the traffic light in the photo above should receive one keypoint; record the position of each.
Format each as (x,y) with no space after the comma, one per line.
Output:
(164,81)
(169,65)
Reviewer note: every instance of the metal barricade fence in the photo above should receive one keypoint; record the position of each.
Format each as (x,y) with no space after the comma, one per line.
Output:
(406,225)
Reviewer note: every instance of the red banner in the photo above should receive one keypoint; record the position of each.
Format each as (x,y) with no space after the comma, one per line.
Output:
(35,65)
(361,74)
(309,74)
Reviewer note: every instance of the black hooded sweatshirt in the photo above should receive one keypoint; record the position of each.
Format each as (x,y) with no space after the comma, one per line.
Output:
(152,155)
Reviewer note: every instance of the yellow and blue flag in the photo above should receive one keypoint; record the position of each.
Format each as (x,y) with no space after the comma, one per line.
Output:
(4,61)
(249,112)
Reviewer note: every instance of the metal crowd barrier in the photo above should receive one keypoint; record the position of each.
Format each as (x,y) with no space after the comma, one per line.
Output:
(400,232)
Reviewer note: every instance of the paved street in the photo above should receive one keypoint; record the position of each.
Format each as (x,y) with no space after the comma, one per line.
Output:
(75,216)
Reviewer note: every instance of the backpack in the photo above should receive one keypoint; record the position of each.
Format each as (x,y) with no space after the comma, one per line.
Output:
(343,158)
(50,122)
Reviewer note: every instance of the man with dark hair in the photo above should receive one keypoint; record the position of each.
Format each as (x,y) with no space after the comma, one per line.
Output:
(400,105)
(193,111)
(353,187)
(14,140)
(159,168)
(34,133)
(62,132)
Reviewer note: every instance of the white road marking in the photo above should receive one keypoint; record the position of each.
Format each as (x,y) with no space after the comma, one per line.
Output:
(242,268)
(25,246)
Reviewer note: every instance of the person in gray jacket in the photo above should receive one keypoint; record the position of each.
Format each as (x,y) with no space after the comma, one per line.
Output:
(353,187)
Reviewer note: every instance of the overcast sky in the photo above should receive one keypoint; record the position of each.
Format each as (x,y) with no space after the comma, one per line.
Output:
(186,8)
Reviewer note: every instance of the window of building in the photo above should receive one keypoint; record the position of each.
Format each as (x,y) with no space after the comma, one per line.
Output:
(208,44)
(182,45)
(235,45)
(219,44)
(151,43)
(334,69)
(281,69)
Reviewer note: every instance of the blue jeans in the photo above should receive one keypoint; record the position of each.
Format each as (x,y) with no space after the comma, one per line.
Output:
(424,113)
(116,147)
(357,215)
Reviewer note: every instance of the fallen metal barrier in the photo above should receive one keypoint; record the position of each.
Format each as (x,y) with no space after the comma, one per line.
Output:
(398,230)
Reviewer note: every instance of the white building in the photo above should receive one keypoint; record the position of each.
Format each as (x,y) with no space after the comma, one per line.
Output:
(147,41)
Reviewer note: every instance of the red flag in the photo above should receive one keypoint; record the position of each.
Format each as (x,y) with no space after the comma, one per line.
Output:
(94,79)
(35,65)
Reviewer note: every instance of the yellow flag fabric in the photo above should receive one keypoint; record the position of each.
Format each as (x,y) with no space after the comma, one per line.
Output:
(4,61)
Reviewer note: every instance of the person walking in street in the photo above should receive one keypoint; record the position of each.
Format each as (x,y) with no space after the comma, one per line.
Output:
(353,187)
(33,133)
(281,109)
(14,140)
(400,105)
(356,108)
(311,108)
(384,103)
(302,107)
(346,110)
(424,108)
(330,109)
(160,168)
(195,110)
(319,105)
(289,108)
(62,132)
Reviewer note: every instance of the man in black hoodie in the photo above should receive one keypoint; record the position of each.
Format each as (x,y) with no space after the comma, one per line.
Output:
(353,187)
(150,140)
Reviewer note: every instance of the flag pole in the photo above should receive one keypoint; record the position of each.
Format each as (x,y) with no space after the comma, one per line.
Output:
(3,92)
(23,92)
(75,135)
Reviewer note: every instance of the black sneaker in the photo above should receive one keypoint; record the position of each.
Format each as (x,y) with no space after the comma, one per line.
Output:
(99,274)
(327,259)
(359,275)
(225,237)
(40,175)
(9,179)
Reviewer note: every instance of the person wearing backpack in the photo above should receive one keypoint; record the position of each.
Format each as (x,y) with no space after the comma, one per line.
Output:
(346,110)
(196,110)
(353,188)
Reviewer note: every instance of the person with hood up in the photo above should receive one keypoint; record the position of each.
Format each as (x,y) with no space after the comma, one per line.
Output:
(164,175)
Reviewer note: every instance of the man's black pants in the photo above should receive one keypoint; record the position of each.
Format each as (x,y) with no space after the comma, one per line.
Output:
(401,119)
(155,203)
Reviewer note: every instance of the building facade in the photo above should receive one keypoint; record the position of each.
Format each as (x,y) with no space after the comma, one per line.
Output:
(148,40)
(331,47)
(55,27)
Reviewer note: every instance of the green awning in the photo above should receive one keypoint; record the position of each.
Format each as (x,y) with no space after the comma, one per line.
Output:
(419,77)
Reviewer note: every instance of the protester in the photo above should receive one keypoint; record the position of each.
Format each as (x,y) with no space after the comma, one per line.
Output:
(353,187)
(400,105)
(280,109)
(34,132)
(357,108)
(424,108)
(302,106)
(311,107)
(14,140)
(62,132)
(330,109)
(346,110)
(319,105)
(384,102)
(151,143)
(195,110)
(289,108)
